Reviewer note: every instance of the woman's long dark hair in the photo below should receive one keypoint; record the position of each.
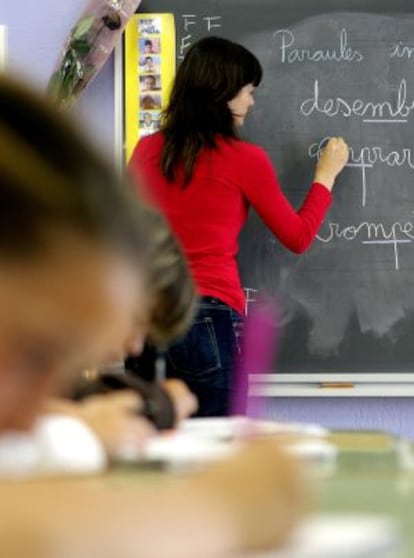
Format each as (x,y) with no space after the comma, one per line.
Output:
(211,74)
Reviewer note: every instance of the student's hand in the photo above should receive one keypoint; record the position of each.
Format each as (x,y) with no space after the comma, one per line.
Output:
(332,160)
(262,490)
(112,417)
(114,420)
(184,401)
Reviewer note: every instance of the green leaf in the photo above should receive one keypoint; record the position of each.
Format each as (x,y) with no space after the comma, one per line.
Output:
(83,27)
(81,46)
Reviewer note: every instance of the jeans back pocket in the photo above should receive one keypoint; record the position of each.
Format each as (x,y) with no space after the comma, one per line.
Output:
(198,353)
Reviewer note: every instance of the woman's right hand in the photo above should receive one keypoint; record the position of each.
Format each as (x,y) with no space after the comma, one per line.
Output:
(331,161)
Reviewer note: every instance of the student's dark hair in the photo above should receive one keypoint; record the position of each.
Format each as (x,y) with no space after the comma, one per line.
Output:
(52,180)
(211,74)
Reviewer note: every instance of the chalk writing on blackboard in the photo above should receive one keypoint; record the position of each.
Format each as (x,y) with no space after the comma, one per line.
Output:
(250,297)
(365,157)
(396,111)
(193,23)
(289,53)
(402,50)
(351,75)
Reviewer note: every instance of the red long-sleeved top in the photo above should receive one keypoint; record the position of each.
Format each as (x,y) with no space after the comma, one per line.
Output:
(208,214)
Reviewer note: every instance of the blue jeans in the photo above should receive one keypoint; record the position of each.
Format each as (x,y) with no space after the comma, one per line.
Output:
(205,358)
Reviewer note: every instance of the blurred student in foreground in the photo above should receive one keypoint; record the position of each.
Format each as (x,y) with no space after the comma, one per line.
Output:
(70,280)
(164,403)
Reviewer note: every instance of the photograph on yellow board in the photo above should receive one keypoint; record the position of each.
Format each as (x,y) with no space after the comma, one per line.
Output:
(149,82)
(150,64)
(150,46)
(150,26)
(150,102)
(149,122)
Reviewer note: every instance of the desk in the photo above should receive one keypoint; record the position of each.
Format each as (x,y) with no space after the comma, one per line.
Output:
(369,478)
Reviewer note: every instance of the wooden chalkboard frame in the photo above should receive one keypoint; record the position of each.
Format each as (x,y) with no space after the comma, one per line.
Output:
(355,384)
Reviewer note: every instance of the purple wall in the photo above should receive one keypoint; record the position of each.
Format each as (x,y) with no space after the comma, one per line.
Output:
(389,414)
(37,29)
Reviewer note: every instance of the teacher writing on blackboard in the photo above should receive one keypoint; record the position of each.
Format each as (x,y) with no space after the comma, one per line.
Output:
(203,177)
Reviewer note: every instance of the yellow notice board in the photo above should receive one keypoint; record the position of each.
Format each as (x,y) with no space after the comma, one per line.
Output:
(149,71)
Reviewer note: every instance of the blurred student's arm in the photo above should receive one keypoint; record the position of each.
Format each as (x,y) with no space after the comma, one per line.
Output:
(250,501)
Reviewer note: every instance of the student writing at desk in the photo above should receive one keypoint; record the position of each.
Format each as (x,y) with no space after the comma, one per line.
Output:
(70,282)
(170,306)
(204,178)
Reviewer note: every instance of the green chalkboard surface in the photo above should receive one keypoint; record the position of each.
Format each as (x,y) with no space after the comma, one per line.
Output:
(331,67)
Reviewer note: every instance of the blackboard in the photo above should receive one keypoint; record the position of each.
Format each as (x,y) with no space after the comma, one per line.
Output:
(331,67)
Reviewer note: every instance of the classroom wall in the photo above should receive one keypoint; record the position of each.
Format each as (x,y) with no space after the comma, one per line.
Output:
(390,414)
(37,29)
